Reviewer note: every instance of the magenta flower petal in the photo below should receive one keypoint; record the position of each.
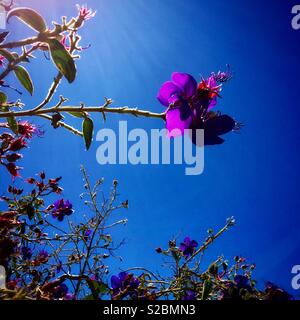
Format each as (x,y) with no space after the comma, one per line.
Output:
(168,92)
(211,82)
(212,104)
(115,282)
(178,119)
(186,83)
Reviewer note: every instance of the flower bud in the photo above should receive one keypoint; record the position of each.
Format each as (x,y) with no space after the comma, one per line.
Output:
(13,169)
(17,144)
(115,183)
(172,243)
(158,250)
(30,180)
(13,157)
(42,175)
(125,204)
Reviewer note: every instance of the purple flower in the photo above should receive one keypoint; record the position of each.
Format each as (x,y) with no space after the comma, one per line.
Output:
(242,282)
(94,277)
(41,258)
(188,106)
(236,289)
(188,246)
(87,234)
(60,291)
(189,295)
(61,209)
(182,87)
(125,284)
(69,296)
(176,95)
(275,293)
(43,254)
(26,253)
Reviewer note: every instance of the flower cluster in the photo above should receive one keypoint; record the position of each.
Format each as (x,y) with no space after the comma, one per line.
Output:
(238,289)
(25,215)
(124,285)
(62,208)
(41,258)
(274,293)
(43,186)
(46,256)
(186,249)
(55,290)
(189,106)
(13,143)
(242,288)
(44,253)
(26,253)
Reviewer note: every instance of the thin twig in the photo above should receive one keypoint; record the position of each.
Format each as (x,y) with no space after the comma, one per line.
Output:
(205,245)
(64,125)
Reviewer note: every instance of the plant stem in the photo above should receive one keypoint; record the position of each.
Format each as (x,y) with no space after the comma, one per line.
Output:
(51,92)
(19,43)
(205,245)
(64,125)
(81,109)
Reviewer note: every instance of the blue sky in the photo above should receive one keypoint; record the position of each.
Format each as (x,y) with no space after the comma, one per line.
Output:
(254,175)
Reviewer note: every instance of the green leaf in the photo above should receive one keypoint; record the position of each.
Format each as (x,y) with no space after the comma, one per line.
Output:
(102,288)
(15,55)
(89,297)
(77,114)
(30,17)
(24,78)
(13,125)
(30,212)
(39,216)
(99,287)
(62,59)
(3,98)
(207,287)
(88,129)
(7,55)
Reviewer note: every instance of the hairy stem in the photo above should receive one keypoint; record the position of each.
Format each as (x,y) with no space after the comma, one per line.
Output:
(205,245)
(51,92)
(81,109)
(19,43)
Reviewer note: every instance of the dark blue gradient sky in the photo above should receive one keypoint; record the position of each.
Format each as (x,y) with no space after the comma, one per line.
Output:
(254,175)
